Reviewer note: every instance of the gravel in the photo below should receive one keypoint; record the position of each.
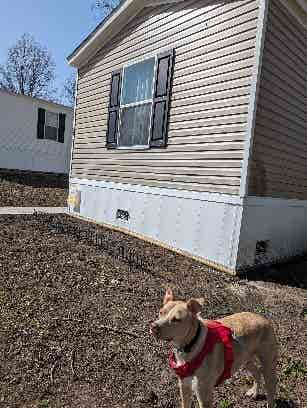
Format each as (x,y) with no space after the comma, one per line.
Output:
(74,328)
(24,189)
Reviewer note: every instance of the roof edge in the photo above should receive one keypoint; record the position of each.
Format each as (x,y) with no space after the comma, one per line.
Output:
(109,27)
(127,9)
(4,91)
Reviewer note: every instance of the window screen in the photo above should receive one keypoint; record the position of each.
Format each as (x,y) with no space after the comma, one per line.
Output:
(135,125)
(136,104)
(138,82)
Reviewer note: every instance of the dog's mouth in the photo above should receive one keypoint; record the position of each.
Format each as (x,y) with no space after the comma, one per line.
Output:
(159,337)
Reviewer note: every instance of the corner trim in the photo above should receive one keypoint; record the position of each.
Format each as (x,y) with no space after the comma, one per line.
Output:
(254,91)
(74,126)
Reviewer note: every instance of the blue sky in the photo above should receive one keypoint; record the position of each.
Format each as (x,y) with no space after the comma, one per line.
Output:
(60,25)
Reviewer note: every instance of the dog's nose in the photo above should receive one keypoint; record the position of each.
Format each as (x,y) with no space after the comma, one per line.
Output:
(154,328)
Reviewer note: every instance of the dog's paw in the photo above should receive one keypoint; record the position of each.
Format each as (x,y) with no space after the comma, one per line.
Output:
(252,393)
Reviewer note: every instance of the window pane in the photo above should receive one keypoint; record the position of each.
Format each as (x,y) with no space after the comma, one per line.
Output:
(138,82)
(135,123)
(51,119)
(51,133)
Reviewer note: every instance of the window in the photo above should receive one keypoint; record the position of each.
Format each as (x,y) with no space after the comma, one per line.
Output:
(136,104)
(51,125)
(139,103)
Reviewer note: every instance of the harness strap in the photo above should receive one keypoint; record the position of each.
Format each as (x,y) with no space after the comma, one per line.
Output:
(217,332)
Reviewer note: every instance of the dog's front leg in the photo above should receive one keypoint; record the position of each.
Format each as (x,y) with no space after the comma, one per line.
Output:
(204,396)
(185,388)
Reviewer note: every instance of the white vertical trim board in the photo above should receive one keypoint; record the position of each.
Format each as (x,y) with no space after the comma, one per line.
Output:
(252,110)
(74,125)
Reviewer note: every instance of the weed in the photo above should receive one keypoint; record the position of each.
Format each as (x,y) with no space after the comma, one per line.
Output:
(295,368)
(285,393)
(44,403)
(225,403)
(259,309)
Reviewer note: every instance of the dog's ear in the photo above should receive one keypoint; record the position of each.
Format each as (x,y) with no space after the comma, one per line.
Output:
(194,305)
(168,297)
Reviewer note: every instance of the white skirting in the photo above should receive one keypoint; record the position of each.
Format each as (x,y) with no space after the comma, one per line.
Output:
(220,228)
(281,223)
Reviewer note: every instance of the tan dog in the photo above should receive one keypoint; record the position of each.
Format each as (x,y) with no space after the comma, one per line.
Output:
(253,339)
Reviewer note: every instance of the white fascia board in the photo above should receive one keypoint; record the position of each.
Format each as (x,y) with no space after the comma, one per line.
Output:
(117,20)
(129,9)
(98,39)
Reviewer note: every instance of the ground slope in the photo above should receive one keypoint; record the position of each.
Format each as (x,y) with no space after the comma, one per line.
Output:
(74,322)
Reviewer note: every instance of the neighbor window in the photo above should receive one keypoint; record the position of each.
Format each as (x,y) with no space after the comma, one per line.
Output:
(51,125)
(139,102)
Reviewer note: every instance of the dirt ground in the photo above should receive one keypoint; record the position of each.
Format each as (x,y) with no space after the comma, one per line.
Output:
(21,189)
(74,322)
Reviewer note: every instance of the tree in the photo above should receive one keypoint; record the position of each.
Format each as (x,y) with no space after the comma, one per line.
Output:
(69,90)
(103,8)
(29,69)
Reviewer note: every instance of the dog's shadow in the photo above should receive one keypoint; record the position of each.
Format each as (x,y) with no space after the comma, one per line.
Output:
(282,403)
(279,403)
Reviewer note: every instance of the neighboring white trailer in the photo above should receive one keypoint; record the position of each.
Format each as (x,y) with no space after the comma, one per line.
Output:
(35,135)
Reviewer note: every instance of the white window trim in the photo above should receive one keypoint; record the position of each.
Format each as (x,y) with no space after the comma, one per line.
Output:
(147,101)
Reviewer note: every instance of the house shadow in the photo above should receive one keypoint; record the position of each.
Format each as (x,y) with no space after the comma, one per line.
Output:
(291,272)
(282,403)
(34,179)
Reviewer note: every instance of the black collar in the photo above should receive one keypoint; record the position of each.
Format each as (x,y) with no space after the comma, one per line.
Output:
(188,347)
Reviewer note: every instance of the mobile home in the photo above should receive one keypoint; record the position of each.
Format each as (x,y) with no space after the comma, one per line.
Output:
(35,134)
(191,127)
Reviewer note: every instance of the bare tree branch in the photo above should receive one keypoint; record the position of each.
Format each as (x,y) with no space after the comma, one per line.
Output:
(69,90)
(29,69)
(103,8)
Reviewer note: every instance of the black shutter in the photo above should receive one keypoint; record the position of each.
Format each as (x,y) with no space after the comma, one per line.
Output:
(114,105)
(161,101)
(41,123)
(61,130)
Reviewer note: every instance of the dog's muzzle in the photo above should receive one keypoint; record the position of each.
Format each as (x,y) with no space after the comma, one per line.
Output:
(155,329)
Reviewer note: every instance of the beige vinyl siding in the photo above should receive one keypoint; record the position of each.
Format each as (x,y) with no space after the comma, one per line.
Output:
(215,55)
(279,160)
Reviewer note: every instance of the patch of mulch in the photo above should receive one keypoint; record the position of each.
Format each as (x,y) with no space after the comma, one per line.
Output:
(74,322)
(28,189)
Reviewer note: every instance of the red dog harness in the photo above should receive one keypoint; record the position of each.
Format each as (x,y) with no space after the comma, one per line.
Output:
(217,332)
